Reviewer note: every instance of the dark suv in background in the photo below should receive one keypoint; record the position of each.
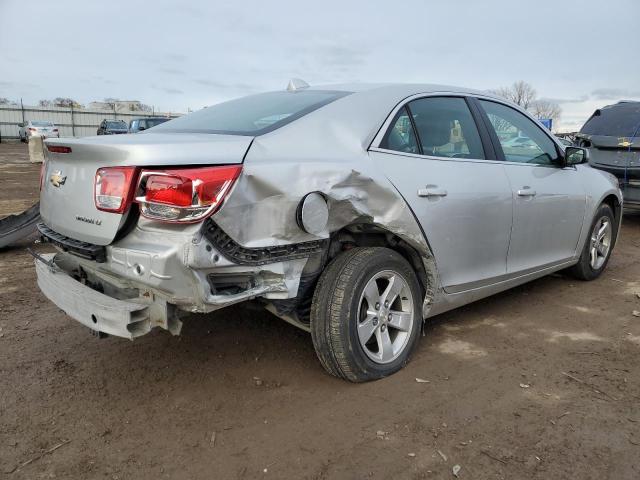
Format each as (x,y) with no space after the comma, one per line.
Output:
(139,124)
(612,135)
(112,127)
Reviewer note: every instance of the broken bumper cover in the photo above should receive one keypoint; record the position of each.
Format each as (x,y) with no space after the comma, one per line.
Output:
(95,310)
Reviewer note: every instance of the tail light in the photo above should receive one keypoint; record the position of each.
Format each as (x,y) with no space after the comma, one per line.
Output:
(58,149)
(32,129)
(113,188)
(184,195)
(55,129)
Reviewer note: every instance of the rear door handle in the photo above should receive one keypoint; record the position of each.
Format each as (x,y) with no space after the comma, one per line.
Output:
(432,192)
(526,192)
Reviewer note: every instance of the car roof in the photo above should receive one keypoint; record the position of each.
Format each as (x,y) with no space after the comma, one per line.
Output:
(403,89)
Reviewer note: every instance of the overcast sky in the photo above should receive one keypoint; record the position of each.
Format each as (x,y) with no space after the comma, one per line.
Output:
(188,54)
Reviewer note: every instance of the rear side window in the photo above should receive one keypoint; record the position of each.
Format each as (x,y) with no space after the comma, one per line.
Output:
(253,115)
(622,120)
(444,127)
(401,136)
(521,139)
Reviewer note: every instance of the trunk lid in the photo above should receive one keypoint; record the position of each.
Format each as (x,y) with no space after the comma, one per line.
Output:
(67,203)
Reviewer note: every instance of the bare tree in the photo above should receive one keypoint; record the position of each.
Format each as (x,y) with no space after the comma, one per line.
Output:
(66,102)
(45,103)
(544,108)
(6,101)
(143,107)
(521,93)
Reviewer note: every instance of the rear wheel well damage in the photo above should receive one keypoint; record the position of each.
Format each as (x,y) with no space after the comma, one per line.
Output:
(356,235)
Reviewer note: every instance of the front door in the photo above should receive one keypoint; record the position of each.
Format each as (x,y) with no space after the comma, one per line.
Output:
(549,201)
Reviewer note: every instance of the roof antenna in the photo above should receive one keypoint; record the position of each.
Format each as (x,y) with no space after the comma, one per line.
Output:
(296,84)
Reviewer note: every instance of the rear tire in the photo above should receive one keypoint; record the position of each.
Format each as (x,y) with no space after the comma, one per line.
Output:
(366,314)
(598,246)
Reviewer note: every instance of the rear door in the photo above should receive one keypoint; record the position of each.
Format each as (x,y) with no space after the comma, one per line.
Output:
(435,155)
(549,200)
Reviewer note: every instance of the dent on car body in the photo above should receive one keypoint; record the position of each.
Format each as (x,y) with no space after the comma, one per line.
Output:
(270,197)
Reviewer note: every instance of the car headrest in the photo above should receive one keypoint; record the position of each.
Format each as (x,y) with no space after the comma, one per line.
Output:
(395,140)
(434,132)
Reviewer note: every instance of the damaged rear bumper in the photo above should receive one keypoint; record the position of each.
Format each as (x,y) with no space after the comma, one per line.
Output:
(100,312)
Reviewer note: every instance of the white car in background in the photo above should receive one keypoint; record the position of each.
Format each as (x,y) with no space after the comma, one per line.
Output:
(39,128)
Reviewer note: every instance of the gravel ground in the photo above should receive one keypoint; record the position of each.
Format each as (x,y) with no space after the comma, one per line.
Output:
(539,382)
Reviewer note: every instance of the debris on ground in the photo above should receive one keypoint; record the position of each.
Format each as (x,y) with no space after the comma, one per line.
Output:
(524,385)
(456,470)
(422,380)
(444,457)
(484,452)
(16,227)
(39,456)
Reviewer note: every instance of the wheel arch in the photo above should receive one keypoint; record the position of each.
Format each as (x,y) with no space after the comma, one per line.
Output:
(614,202)
(373,235)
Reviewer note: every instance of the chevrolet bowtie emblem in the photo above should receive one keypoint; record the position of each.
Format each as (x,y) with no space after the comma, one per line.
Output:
(57,179)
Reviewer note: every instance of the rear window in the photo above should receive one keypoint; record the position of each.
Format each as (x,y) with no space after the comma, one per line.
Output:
(253,115)
(116,125)
(622,120)
(152,122)
(42,124)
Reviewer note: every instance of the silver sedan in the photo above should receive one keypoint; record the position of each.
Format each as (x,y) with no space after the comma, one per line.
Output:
(37,128)
(354,212)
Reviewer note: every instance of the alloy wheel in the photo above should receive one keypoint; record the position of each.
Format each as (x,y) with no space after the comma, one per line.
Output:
(600,243)
(385,316)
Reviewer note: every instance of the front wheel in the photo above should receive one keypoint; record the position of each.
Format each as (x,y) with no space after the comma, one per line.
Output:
(366,314)
(597,249)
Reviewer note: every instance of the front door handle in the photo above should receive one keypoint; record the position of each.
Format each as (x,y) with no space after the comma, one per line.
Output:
(432,192)
(526,192)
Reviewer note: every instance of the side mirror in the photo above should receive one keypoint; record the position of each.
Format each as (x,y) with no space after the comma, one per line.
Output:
(575,156)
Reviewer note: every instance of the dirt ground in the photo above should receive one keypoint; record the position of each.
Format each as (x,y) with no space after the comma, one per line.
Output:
(539,382)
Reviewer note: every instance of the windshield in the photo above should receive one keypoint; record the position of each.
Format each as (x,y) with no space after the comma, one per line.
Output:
(42,124)
(622,120)
(253,115)
(116,125)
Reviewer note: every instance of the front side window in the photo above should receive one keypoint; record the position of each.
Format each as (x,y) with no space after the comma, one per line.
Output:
(521,139)
(444,127)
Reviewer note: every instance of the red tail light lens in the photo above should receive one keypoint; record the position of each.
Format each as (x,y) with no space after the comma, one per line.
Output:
(58,149)
(113,188)
(184,195)
(169,190)
(32,129)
